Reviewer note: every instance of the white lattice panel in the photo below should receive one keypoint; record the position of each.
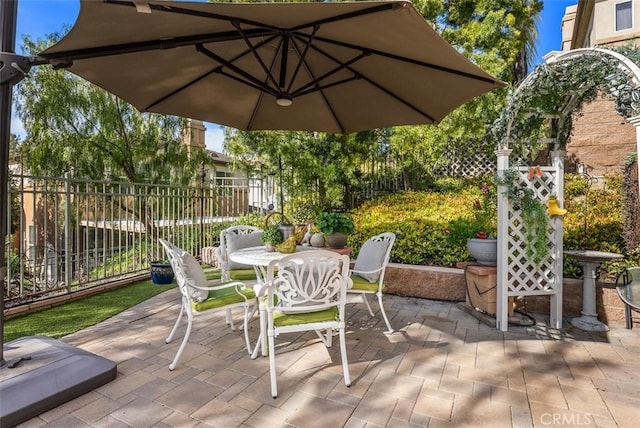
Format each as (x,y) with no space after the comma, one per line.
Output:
(518,275)
(524,277)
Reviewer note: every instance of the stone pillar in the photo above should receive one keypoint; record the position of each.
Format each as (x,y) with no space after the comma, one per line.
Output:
(502,310)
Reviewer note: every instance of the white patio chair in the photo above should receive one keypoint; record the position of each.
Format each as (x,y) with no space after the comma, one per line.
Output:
(368,271)
(232,239)
(200,295)
(307,291)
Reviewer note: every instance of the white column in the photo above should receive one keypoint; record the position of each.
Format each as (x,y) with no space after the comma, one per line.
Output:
(502,310)
(555,310)
(635,121)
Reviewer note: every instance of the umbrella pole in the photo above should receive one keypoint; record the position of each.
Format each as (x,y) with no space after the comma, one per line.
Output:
(282,220)
(8,17)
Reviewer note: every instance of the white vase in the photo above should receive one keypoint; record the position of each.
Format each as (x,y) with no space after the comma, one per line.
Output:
(485,251)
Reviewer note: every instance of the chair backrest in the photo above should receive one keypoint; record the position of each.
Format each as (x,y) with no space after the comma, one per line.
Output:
(235,238)
(187,271)
(374,257)
(170,250)
(308,281)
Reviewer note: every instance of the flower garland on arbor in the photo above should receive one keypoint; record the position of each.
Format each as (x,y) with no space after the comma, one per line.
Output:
(543,107)
(540,112)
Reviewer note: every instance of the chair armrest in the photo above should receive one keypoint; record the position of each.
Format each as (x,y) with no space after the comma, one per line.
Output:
(380,269)
(219,286)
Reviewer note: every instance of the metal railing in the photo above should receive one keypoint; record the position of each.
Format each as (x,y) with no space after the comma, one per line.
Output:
(68,234)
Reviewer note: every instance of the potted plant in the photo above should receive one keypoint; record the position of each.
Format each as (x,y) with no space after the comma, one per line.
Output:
(535,220)
(478,231)
(271,237)
(336,227)
(161,272)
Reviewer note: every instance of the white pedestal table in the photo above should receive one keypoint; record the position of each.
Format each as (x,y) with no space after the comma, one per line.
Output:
(259,258)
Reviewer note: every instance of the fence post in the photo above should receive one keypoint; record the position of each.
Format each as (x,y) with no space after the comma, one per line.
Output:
(68,243)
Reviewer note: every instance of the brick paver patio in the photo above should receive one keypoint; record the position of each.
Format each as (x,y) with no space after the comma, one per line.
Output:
(442,367)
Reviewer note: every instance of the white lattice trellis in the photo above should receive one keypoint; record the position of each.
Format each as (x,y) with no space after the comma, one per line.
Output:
(517,275)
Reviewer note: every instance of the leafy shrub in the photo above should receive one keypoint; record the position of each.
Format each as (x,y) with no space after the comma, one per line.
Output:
(419,220)
(594,222)
(272,235)
(333,222)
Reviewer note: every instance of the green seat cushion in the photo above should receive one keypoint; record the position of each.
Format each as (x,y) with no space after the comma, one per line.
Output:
(212,273)
(223,297)
(359,283)
(242,274)
(281,320)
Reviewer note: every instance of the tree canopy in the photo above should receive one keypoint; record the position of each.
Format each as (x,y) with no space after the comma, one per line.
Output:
(498,36)
(72,125)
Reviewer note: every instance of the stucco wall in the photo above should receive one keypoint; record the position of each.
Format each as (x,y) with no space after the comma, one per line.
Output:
(602,139)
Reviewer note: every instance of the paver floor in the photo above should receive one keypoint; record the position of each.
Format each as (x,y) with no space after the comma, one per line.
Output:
(440,368)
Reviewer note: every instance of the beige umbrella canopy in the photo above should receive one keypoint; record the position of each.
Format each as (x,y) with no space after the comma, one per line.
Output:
(334,67)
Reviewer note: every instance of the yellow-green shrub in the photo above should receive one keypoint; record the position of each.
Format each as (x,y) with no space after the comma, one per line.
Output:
(420,218)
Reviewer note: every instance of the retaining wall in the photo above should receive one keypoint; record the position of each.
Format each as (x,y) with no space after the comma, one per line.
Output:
(441,283)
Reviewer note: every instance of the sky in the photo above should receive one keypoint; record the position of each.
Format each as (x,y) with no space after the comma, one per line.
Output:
(40,17)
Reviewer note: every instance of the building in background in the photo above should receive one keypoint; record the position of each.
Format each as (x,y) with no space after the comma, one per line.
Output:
(602,139)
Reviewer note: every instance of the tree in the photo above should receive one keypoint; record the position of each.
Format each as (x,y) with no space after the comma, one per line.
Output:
(326,165)
(74,125)
(499,36)
(496,35)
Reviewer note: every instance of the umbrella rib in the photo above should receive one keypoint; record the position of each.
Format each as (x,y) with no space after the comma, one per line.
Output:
(149,45)
(215,70)
(304,89)
(263,86)
(345,16)
(255,54)
(171,8)
(380,87)
(172,93)
(261,93)
(314,80)
(328,85)
(402,100)
(284,55)
(179,10)
(301,57)
(402,58)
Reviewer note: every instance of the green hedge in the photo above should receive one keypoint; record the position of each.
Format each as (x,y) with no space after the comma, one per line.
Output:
(420,218)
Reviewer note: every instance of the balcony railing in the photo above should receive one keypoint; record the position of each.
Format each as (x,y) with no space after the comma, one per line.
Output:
(68,234)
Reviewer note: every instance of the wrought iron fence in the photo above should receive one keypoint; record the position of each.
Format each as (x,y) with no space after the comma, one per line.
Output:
(68,234)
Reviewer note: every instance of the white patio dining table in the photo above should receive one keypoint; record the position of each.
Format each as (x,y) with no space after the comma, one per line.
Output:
(259,258)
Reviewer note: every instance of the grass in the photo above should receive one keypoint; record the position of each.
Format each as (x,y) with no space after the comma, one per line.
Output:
(74,316)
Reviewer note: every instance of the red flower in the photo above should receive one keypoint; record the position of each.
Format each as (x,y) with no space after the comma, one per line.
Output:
(481,235)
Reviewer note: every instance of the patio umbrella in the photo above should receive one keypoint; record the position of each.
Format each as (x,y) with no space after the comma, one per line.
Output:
(333,67)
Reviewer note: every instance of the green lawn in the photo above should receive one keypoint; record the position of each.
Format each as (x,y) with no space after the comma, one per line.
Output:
(71,317)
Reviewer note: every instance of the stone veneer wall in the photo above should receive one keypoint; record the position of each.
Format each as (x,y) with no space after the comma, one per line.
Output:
(441,283)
